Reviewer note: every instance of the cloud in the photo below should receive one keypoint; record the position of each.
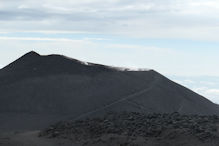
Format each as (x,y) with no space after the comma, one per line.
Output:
(36,39)
(188,81)
(213,91)
(187,19)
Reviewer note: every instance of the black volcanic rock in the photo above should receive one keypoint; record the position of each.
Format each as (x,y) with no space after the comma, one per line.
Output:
(134,125)
(55,84)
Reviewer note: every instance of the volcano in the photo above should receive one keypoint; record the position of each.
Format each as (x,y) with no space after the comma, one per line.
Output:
(37,90)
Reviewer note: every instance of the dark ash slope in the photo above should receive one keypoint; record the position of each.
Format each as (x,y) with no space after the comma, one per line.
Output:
(54,84)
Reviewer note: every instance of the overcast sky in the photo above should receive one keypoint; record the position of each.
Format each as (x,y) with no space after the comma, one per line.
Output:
(178,38)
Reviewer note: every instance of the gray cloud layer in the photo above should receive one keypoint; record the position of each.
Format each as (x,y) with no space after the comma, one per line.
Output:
(187,19)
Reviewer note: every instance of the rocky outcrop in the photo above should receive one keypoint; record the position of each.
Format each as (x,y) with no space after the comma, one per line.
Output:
(135,125)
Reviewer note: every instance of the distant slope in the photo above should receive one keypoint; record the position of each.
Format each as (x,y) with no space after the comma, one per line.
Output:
(55,84)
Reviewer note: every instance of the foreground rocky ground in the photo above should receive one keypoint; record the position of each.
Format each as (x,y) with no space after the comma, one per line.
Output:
(138,129)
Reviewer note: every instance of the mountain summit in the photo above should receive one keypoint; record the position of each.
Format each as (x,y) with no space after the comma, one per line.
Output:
(32,65)
(57,85)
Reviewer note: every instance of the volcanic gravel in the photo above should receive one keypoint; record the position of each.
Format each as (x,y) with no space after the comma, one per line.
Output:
(136,125)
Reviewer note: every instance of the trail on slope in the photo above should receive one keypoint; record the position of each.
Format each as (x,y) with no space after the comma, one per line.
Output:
(157,78)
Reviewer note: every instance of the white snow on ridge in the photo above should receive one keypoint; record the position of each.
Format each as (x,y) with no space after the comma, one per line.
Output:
(119,68)
(84,63)
(113,67)
(131,69)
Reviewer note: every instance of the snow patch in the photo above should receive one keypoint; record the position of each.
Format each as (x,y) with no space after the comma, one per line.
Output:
(131,69)
(112,67)
(85,63)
